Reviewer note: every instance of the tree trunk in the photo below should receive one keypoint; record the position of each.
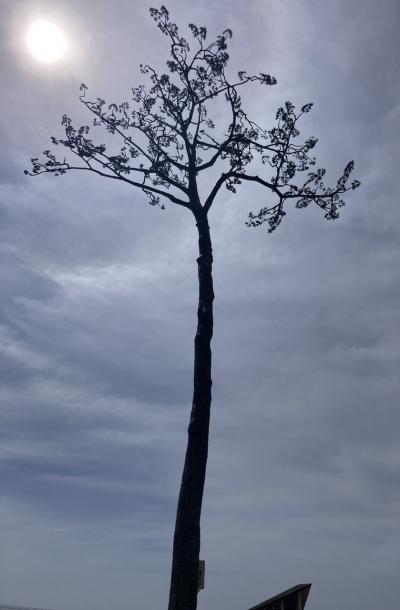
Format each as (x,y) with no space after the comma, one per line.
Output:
(186,549)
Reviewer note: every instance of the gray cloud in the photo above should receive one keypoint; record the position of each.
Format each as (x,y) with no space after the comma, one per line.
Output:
(97,319)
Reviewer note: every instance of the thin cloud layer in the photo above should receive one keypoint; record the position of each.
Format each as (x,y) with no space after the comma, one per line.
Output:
(98,313)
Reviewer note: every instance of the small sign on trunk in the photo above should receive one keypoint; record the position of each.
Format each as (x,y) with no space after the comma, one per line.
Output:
(202,569)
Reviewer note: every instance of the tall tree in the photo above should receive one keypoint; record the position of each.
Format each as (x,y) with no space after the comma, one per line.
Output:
(164,140)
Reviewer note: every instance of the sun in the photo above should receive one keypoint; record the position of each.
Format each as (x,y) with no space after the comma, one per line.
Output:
(46,41)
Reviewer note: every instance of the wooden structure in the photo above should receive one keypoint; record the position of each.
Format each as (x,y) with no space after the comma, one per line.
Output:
(292,599)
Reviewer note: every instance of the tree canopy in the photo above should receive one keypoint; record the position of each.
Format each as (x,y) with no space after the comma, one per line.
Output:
(166,136)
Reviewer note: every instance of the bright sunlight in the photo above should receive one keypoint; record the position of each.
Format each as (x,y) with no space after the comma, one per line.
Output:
(46,41)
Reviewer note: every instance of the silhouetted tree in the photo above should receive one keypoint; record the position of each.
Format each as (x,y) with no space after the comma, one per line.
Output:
(166,141)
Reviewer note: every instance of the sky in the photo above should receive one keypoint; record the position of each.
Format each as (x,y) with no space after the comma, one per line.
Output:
(98,313)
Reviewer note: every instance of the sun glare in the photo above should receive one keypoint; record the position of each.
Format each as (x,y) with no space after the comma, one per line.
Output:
(46,41)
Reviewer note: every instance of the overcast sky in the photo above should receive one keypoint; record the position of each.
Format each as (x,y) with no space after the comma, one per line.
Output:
(98,313)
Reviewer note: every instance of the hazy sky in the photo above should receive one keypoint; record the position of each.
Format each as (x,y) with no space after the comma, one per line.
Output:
(98,313)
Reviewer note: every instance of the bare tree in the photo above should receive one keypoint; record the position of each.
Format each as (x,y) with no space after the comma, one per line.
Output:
(165,140)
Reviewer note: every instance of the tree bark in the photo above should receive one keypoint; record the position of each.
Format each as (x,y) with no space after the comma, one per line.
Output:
(186,547)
